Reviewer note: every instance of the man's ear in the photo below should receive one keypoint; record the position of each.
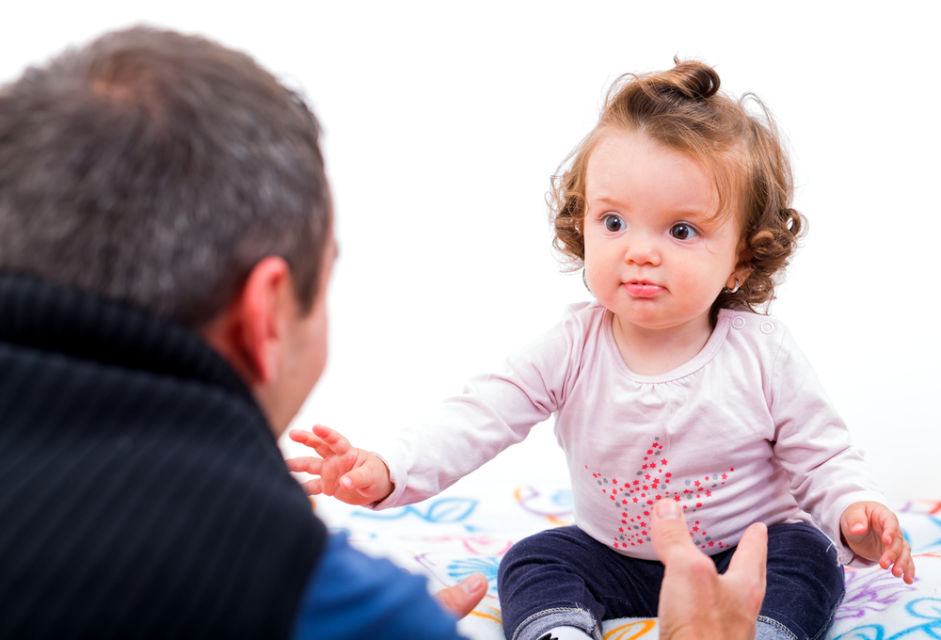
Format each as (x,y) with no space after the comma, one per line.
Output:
(249,333)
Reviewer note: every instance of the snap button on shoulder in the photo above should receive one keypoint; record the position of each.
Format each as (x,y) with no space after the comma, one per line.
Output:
(767,327)
(738,322)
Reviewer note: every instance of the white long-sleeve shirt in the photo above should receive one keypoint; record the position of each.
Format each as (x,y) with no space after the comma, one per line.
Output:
(739,434)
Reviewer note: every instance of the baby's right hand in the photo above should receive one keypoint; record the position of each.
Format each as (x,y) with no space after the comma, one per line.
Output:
(352,475)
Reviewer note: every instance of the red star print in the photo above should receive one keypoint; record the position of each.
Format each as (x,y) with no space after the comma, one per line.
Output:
(634,492)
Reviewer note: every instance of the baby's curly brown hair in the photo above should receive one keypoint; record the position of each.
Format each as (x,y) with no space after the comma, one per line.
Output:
(683,109)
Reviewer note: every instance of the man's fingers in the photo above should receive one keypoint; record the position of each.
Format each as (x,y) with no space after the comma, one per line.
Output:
(668,529)
(463,597)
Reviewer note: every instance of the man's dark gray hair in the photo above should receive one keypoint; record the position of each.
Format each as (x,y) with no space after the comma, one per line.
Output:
(157,169)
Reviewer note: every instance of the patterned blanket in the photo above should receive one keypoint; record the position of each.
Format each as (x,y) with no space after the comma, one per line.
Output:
(454,534)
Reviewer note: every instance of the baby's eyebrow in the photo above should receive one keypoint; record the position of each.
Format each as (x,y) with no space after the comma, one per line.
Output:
(603,200)
(696,216)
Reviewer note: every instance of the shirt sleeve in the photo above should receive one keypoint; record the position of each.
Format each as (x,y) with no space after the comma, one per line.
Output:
(493,412)
(827,473)
(351,595)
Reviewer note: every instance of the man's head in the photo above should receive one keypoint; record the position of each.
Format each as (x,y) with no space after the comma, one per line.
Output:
(165,171)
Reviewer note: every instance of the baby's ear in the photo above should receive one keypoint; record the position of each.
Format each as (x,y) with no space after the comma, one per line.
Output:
(743,267)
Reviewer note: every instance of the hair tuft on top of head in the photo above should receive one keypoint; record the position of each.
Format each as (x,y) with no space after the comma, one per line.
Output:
(696,80)
(688,80)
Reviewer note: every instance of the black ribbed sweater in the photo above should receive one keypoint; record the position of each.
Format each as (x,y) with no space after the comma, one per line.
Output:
(142,493)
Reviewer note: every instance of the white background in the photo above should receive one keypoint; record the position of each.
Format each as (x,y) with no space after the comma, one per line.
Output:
(444,122)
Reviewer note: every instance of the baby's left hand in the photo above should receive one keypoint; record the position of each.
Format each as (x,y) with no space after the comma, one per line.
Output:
(872,531)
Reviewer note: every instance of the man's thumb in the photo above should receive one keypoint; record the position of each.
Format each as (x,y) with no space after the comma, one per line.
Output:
(668,528)
(461,598)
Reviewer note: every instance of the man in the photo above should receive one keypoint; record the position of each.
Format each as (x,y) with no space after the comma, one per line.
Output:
(165,249)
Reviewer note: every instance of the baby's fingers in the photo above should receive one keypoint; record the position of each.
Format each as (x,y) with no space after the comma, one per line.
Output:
(854,523)
(308,439)
(305,464)
(897,554)
(337,444)
(324,440)
(908,568)
(299,435)
(312,487)
(362,480)
(899,559)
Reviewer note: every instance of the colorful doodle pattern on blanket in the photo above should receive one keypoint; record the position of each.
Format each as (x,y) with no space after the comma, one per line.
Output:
(452,537)
(878,606)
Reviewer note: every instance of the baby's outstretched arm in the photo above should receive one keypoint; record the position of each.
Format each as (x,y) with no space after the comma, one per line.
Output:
(355,476)
(872,531)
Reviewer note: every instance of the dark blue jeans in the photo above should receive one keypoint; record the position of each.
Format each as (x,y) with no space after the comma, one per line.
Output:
(564,569)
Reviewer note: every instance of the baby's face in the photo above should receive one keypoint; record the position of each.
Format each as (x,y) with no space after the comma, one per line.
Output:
(656,253)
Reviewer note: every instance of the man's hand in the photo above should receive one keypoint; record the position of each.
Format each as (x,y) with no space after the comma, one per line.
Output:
(463,597)
(355,476)
(695,601)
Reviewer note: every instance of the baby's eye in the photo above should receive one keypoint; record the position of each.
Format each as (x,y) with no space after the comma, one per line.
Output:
(613,223)
(683,231)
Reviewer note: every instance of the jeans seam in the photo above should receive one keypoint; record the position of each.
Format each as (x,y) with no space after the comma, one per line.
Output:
(774,623)
(545,612)
(820,633)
